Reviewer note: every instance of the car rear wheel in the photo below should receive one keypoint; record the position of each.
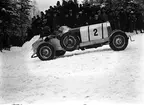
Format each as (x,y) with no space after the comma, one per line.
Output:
(45,51)
(69,42)
(118,41)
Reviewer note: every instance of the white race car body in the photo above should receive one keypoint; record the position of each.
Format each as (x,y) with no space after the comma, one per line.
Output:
(90,36)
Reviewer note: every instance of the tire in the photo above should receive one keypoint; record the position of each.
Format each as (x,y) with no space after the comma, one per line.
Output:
(60,53)
(69,42)
(118,41)
(45,52)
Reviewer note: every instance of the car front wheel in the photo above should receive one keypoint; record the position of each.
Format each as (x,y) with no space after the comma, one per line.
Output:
(45,51)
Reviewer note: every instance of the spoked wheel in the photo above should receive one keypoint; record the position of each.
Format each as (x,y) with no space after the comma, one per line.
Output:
(118,41)
(69,42)
(45,51)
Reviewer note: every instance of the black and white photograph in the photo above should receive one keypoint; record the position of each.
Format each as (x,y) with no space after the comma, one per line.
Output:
(71,52)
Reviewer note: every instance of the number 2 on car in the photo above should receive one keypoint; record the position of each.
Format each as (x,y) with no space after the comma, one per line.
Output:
(95,32)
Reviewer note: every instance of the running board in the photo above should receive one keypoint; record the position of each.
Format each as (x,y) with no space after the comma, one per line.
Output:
(94,42)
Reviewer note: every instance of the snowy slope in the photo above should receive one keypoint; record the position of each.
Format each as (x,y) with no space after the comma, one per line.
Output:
(87,77)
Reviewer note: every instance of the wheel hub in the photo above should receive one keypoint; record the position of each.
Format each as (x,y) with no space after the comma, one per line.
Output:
(45,52)
(118,41)
(69,42)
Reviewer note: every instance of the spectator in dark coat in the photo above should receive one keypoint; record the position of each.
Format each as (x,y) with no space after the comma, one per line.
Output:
(1,40)
(45,31)
(77,21)
(71,19)
(49,21)
(132,21)
(36,25)
(56,20)
(80,19)
(103,15)
(90,20)
(30,34)
(139,21)
(66,20)
(123,19)
(116,19)
(111,19)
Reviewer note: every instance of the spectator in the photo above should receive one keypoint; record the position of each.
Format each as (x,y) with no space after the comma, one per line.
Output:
(45,31)
(139,22)
(103,15)
(116,19)
(111,19)
(132,21)
(1,40)
(29,34)
(123,19)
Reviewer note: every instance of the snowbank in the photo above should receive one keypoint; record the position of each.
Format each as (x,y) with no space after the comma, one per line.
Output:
(28,45)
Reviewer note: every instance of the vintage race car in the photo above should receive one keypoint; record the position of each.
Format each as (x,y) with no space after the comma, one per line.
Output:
(85,37)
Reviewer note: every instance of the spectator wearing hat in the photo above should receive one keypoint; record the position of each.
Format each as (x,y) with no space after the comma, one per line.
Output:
(132,21)
(123,19)
(117,19)
(111,19)
(103,15)
(71,19)
(1,40)
(139,21)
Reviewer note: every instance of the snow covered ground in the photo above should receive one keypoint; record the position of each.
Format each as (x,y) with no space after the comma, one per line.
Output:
(90,77)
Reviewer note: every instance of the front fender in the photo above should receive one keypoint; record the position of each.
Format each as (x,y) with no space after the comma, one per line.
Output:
(53,41)
(117,31)
(36,44)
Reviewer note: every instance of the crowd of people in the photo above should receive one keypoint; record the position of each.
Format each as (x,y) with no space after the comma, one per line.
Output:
(73,15)
(69,14)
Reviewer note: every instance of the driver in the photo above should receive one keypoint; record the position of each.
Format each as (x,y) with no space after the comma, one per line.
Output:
(45,31)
